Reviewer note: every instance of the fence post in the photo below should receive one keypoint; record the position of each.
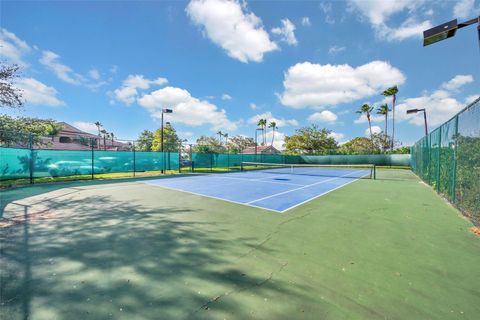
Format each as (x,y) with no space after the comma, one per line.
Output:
(180,157)
(93,167)
(438,158)
(31,166)
(191,159)
(211,162)
(134,159)
(455,153)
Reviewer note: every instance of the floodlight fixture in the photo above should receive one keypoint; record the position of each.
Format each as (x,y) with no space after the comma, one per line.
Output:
(447,30)
(412,111)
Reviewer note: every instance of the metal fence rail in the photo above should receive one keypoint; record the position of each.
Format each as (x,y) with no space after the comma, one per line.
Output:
(449,160)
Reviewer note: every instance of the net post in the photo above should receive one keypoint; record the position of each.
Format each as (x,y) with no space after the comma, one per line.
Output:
(374,172)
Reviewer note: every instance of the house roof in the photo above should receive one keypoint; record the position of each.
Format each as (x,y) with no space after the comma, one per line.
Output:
(260,149)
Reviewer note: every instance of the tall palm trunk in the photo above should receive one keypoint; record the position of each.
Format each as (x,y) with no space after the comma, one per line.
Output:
(393,120)
(273,135)
(370,127)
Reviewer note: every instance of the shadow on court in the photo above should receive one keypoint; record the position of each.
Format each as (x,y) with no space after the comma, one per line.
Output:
(121,261)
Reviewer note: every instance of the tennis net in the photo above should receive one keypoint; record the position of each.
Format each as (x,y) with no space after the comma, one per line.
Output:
(360,171)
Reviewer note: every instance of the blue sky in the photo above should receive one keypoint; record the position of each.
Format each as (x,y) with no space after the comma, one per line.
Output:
(221,65)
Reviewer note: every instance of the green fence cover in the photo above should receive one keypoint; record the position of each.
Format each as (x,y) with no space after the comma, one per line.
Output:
(449,160)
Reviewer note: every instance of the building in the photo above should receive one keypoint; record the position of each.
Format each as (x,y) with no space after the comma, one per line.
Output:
(71,138)
(261,150)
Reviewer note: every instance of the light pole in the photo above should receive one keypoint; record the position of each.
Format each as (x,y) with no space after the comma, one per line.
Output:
(447,30)
(258,129)
(161,135)
(412,111)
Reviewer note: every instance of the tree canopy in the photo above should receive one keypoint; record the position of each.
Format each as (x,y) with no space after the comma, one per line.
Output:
(310,140)
(171,142)
(10,96)
(17,130)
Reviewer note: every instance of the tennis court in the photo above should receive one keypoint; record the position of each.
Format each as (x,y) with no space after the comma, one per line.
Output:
(389,248)
(273,187)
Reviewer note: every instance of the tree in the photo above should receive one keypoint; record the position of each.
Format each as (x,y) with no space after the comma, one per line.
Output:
(238,143)
(112,136)
(145,141)
(392,92)
(383,110)
(310,140)
(17,131)
(10,96)
(273,125)
(206,144)
(358,145)
(262,123)
(220,135)
(171,141)
(366,109)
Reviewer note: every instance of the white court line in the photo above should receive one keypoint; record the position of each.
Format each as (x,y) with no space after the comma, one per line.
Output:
(322,194)
(213,197)
(303,187)
(259,180)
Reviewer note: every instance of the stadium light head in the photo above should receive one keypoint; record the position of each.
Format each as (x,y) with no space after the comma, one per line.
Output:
(167,110)
(446,30)
(412,111)
(440,32)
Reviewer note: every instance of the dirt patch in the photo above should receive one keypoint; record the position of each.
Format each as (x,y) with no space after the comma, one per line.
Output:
(475,231)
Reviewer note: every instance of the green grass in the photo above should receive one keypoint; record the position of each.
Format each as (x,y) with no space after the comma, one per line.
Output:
(375,249)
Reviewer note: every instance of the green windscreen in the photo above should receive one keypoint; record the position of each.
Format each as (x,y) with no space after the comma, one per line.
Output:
(449,160)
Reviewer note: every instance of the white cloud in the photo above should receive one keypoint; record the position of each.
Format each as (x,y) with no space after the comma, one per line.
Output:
(375,129)
(229,25)
(326,7)
(278,139)
(306,22)
(185,134)
(186,109)
(337,136)
(373,118)
(12,47)
(253,106)
(86,126)
(62,71)
(314,85)
(457,82)
(471,98)
(440,106)
(94,74)
(226,97)
(287,32)
(464,9)
(408,29)
(379,12)
(269,116)
(333,50)
(37,93)
(128,92)
(323,116)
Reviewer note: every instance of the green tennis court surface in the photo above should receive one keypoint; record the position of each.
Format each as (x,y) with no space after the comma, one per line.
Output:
(375,249)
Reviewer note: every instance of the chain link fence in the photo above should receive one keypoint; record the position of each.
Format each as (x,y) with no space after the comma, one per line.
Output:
(449,160)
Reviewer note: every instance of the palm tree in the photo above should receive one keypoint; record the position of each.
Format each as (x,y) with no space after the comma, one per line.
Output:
(104,132)
(112,136)
(99,125)
(273,125)
(392,92)
(220,135)
(366,109)
(262,123)
(383,110)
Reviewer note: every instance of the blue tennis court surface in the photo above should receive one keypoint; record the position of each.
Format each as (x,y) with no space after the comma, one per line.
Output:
(274,189)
